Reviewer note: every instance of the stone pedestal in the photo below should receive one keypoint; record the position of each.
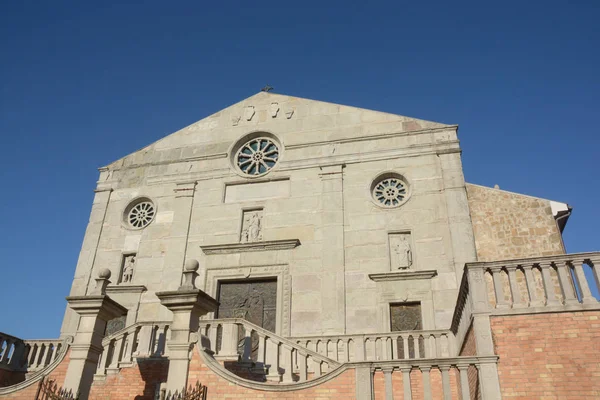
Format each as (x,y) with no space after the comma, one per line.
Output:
(187,305)
(94,312)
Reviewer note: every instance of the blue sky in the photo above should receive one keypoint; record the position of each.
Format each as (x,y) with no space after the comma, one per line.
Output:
(85,83)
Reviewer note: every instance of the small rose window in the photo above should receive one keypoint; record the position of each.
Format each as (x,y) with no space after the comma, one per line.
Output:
(389,191)
(257,157)
(140,214)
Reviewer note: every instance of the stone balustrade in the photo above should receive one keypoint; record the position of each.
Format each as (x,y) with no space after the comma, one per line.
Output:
(28,355)
(382,346)
(140,340)
(461,375)
(554,281)
(281,360)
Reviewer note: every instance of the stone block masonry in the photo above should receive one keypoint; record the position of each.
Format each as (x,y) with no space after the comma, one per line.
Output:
(548,356)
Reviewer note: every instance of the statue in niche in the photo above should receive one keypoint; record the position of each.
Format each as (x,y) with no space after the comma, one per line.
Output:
(128,267)
(403,252)
(251,228)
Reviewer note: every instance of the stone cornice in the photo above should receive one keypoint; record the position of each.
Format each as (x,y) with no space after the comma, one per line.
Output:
(403,275)
(267,245)
(124,288)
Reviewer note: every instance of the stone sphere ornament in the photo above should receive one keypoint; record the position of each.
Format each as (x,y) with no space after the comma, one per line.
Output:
(191,265)
(104,273)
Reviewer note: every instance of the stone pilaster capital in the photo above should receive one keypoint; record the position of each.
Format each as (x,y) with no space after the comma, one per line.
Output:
(387,369)
(405,369)
(462,367)
(444,367)
(425,368)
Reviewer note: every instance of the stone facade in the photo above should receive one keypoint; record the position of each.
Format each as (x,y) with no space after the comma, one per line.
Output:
(289,248)
(319,192)
(511,225)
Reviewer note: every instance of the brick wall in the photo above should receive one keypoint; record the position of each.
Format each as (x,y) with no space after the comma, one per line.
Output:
(550,356)
(416,384)
(510,225)
(58,375)
(139,382)
(340,387)
(469,348)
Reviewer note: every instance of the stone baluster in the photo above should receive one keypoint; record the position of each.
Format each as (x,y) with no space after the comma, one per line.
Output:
(371,350)
(595,266)
(406,382)
(247,346)
(395,350)
(100,367)
(42,357)
(359,351)
(517,301)
(464,382)
(262,348)
(116,353)
(389,388)
(584,289)
(288,364)
(347,351)
(318,368)
(425,375)
(7,344)
(32,353)
(566,283)
(145,343)
(551,299)
(272,360)
(212,335)
(229,341)
(302,366)
(417,342)
(534,300)
(447,393)
(405,347)
(499,289)
(431,346)
(131,339)
(55,352)
(386,348)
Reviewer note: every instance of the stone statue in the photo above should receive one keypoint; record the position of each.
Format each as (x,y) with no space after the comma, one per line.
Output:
(404,252)
(252,229)
(128,269)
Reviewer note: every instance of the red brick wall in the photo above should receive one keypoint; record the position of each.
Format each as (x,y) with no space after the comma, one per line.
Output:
(469,348)
(553,356)
(57,374)
(416,384)
(138,382)
(340,387)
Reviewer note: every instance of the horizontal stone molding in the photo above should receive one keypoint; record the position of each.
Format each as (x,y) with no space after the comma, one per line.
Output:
(124,288)
(268,245)
(403,275)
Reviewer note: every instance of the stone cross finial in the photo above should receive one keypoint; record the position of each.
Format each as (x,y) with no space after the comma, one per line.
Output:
(102,282)
(189,274)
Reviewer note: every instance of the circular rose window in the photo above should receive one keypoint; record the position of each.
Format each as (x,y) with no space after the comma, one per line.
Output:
(140,214)
(390,191)
(257,157)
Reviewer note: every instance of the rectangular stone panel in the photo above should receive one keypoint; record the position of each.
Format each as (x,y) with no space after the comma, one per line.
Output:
(257,191)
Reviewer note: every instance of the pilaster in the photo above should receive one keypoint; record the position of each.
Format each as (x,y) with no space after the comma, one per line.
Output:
(94,311)
(333,291)
(187,304)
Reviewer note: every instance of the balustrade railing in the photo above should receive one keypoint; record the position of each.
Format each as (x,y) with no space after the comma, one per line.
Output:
(28,355)
(450,378)
(540,282)
(279,359)
(382,346)
(143,339)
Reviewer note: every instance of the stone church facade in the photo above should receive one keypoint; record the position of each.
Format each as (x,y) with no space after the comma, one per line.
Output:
(292,248)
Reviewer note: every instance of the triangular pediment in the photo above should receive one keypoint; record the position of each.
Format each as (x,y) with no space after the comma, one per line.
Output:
(293,119)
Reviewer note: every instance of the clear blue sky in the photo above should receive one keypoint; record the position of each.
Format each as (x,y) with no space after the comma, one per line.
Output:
(85,83)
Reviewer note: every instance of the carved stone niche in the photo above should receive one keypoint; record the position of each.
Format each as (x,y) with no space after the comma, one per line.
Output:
(251,230)
(128,264)
(401,251)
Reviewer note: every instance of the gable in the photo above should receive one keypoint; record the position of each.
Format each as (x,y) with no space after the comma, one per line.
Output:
(295,120)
